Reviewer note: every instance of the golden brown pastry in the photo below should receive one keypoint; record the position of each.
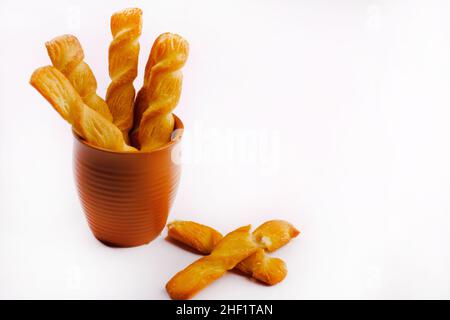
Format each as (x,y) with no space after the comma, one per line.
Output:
(160,93)
(157,121)
(233,248)
(126,26)
(195,235)
(274,234)
(67,56)
(261,267)
(86,122)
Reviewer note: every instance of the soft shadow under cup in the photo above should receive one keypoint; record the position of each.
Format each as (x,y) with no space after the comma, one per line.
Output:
(127,196)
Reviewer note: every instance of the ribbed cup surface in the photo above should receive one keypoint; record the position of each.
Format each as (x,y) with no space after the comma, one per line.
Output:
(126,196)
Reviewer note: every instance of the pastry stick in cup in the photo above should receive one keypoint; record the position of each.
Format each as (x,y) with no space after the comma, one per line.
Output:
(67,56)
(157,122)
(126,26)
(160,93)
(86,122)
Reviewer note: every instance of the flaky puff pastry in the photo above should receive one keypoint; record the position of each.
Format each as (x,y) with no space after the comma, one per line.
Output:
(126,26)
(195,235)
(233,248)
(67,56)
(86,122)
(274,234)
(260,266)
(157,121)
(160,93)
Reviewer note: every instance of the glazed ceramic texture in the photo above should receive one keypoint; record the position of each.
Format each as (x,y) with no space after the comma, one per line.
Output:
(126,197)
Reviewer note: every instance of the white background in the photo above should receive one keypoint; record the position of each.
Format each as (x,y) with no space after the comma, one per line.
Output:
(335,116)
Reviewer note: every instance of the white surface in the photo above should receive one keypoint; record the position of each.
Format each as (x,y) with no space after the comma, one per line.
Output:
(341,112)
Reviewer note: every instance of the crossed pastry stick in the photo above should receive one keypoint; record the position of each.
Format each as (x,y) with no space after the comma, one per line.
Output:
(239,249)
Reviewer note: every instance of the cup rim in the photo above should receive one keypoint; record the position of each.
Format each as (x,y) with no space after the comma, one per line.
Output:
(179,128)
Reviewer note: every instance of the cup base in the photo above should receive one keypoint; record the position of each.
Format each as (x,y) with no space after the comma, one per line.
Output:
(126,196)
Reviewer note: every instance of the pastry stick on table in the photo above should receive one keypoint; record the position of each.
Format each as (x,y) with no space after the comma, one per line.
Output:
(160,93)
(126,26)
(195,235)
(270,236)
(86,122)
(232,249)
(67,56)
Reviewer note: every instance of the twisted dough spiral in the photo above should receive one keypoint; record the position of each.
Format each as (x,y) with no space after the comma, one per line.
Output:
(88,123)
(270,235)
(160,93)
(126,26)
(232,249)
(67,56)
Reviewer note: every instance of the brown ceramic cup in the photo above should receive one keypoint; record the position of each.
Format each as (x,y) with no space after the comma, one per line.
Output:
(126,196)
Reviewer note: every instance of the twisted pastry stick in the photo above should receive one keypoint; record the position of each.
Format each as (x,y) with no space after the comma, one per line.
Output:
(274,234)
(67,56)
(126,28)
(270,235)
(233,248)
(157,121)
(160,93)
(88,123)
(195,235)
